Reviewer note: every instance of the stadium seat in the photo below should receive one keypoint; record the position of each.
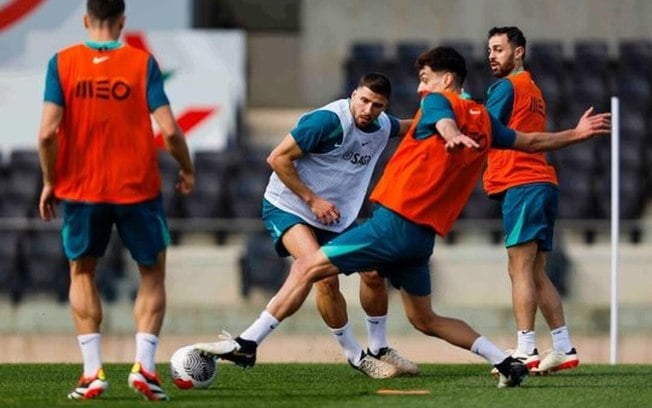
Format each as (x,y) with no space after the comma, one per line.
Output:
(589,89)
(634,88)
(576,194)
(246,186)
(260,265)
(545,58)
(592,57)
(363,57)
(407,52)
(368,51)
(23,184)
(632,196)
(44,265)
(208,200)
(111,268)
(464,47)
(635,54)
(9,264)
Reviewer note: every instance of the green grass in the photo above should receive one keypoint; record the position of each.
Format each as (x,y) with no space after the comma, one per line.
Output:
(337,385)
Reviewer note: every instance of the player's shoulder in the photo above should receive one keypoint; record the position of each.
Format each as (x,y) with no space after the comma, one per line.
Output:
(72,48)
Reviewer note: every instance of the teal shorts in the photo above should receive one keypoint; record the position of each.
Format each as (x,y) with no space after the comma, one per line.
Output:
(142,228)
(398,249)
(529,214)
(277,222)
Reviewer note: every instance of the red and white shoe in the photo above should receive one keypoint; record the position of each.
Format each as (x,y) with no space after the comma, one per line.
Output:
(90,387)
(558,360)
(146,383)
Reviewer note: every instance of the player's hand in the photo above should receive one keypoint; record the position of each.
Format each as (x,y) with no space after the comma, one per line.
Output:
(459,142)
(186,183)
(47,203)
(325,211)
(593,124)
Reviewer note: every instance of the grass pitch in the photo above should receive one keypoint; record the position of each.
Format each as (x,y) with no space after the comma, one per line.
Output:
(337,385)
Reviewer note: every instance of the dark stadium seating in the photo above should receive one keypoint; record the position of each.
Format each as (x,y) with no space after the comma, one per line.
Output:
(212,169)
(260,266)
(10,263)
(44,266)
(21,184)
(111,268)
(246,186)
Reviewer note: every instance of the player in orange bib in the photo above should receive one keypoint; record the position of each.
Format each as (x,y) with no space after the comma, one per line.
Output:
(98,156)
(420,195)
(527,188)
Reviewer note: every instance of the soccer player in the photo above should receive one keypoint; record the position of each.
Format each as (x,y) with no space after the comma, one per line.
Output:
(98,156)
(526,186)
(321,172)
(421,193)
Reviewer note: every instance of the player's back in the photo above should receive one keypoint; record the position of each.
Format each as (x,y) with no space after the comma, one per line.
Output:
(107,151)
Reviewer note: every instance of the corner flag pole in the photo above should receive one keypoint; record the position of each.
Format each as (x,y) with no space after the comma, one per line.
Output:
(615,226)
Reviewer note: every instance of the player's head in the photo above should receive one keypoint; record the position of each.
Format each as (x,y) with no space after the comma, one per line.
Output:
(506,50)
(370,98)
(440,69)
(108,13)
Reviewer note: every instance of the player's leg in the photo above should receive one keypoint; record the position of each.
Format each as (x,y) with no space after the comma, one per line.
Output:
(373,298)
(300,240)
(143,230)
(564,355)
(527,221)
(524,298)
(85,235)
(419,312)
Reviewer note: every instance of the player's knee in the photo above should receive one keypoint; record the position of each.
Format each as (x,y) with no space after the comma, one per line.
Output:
(328,286)
(373,281)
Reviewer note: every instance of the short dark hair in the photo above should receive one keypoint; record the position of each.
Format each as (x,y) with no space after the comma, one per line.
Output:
(514,35)
(444,59)
(377,82)
(105,10)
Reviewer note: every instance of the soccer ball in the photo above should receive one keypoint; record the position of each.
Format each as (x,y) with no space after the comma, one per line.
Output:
(190,368)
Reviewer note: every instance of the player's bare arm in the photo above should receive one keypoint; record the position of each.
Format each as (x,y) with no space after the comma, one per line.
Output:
(48,147)
(281,161)
(175,143)
(454,138)
(589,125)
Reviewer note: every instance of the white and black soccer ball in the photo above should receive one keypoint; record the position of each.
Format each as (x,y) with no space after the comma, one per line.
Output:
(190,368)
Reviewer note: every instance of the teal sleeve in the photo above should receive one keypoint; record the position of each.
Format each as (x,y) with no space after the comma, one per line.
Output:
(500,100)
(53,92)
(396,126)
(319,131)
(502,136)
(155,93)
(434,107)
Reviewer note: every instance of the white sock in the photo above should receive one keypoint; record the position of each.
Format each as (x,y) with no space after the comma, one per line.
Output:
(561,339)
(352,349)
(377,333)
(91,350)
(261,328)
(489,351)
(146,345)
(526,341)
